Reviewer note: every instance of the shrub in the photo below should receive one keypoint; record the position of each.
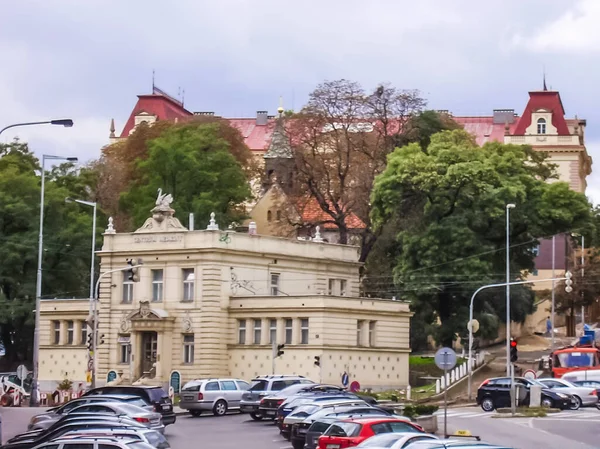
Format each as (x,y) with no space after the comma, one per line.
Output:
(412,411)
(65,385)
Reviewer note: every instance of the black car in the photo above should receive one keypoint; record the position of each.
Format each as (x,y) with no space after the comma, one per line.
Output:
(155,396)
(495,393)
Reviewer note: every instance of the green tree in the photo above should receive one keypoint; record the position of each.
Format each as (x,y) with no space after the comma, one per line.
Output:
(194,164)
(449,202)
(67,238)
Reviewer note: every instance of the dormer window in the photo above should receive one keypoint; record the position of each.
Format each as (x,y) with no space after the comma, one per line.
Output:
(541,126)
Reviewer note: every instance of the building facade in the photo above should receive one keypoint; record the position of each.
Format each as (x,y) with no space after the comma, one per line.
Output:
(210,303)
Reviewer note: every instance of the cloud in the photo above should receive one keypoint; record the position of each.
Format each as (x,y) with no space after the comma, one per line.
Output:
(575,31)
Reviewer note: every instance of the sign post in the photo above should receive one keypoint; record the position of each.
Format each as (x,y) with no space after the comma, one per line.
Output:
(22,373)
(445,359)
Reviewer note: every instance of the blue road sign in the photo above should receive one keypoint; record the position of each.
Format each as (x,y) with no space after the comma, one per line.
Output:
(445,358)
(345,379)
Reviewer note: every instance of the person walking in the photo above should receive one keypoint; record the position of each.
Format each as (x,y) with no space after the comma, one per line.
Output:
(548,327)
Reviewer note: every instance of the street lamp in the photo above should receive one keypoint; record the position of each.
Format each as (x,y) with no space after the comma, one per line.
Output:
(582,273)
(66,122)
(94,205)
(508,208)
(38,285)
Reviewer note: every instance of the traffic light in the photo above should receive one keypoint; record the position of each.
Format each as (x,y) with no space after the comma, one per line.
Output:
(568,282)
(514,353)
(101,340)
(133,274)
(317,360)
(90,341)
(280,350)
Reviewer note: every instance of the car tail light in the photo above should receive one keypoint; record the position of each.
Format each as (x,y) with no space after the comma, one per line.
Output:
(279,402)
(200,396)
(142,420)
(484,383)
(594,393)
(262,401)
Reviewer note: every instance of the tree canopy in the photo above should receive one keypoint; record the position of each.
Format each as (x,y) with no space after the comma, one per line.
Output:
(448,202)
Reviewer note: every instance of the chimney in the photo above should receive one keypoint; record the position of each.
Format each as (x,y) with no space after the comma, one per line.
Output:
(191,223)
(504,116)
(252,228)
(261,118)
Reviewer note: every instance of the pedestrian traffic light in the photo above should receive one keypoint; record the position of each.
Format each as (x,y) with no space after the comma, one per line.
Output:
(317,360)
(568,282)
(90,341)
(514,353)
(280,350)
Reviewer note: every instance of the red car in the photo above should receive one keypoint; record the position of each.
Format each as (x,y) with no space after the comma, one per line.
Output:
(350,432)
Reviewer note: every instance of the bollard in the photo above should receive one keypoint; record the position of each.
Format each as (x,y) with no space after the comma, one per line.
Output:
(535,396)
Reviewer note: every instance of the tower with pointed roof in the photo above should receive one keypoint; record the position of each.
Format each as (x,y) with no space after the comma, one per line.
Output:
(279,158)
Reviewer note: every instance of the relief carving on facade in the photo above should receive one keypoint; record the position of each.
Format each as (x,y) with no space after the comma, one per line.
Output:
(187,325)
(125,323)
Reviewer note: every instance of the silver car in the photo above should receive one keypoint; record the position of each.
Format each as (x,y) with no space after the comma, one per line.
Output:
(582,396)
(152,420)
(104,442)
(152,437)
(212,395)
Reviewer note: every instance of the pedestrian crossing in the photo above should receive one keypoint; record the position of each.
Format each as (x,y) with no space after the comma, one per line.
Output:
(583,414)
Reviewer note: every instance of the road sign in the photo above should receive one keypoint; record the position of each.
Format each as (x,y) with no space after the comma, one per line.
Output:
(345,379)
(530,374)
(473,323)
(354,386)
(22,372)
(445,358)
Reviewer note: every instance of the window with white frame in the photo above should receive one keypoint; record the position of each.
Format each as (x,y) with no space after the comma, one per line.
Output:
(359,326)
(331,290)
(70,332)
(242,332)
(188,284)
(56,332)
(372,333)
(304,331)
(157,285)
(257,331)
(272,331)
(124,342)
(289,323)
(84,332)
(541,126)
(127,297)
(274,284)
(343,284)
(188,348)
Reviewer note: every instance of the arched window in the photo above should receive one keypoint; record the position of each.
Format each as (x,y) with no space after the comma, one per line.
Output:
(269,216)
(541,126)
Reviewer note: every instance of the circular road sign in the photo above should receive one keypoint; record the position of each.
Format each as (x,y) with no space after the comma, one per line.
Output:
(345,379)
(354,386)
(530,374)
(445,358)
(473,323)
(22,372)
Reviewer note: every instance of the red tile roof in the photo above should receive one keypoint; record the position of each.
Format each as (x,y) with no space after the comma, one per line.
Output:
(544,99)
(311,212)
(257,137)
(163,107)
(484,129)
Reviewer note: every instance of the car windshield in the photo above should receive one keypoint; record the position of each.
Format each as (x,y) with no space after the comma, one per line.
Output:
(259,385)
(343,429)
(385,440)
(192,386)
(131,410)
(574,359)
(319,427)
(293,389)
(158,395)
(305,410)
(136,401)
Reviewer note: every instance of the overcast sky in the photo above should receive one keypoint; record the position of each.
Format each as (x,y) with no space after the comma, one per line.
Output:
(88,60)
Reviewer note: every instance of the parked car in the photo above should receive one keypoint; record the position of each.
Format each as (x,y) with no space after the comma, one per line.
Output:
(155,396)
(452,444)
(304,411)
(104,443)
(44,420)
(586,383)
(582,396)
(150,419)
(152,437)
(214,395)
(263,386)
(269,404)
(588,374)
(495,393)
(351,432)
(395,440)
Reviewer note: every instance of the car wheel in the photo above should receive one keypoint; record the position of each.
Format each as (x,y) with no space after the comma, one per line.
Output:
(220,408)
(547,402)
(195,413)
(256,416)
(297,444)
(487,404)
(576,403)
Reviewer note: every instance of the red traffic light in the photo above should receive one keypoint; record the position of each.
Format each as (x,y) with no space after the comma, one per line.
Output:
(513,343)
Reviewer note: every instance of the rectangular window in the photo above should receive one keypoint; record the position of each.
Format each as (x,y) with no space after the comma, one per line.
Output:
(274,284)
(242,332)
(331,290)
(124,348)
(70,332)
(288,331)
(372,333)
(359,326)
(257,331)
(188,284)
(127,297)
(56,332)
(188,349)
(304,331)
(272,331)
(84,331)
(343,287)
(157,285)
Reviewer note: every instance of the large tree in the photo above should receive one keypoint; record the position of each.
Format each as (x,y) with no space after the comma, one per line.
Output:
(341,139)
(449,204)
(194,164)
(67,238)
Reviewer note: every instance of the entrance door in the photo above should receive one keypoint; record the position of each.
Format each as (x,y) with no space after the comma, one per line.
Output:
(149,348)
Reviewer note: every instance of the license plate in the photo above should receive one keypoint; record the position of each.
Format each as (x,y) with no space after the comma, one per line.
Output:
(333,446)
(270,413)
(166,407)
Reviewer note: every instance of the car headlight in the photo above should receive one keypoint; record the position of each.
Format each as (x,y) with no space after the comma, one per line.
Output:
(562,396)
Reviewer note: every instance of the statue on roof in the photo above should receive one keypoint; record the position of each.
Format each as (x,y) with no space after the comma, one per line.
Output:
(163,201)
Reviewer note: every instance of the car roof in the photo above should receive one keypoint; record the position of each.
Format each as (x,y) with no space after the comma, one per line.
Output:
(279,376)
(92,439)
(371,420)
(141,387)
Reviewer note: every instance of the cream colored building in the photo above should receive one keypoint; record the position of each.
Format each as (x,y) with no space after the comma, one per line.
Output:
(211,303)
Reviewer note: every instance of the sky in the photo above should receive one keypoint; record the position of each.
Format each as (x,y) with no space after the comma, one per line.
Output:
(87,60)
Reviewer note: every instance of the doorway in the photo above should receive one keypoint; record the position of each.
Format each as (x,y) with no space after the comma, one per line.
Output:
(149,351)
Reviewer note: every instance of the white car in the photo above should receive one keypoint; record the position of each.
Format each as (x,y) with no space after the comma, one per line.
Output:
(582,396)
(395,440)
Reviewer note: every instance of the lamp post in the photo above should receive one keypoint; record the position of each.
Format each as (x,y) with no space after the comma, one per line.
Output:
(38,284)
(582,274)
(508,208)
(66,122)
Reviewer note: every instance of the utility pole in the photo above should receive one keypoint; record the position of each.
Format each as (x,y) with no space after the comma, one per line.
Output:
(508,208)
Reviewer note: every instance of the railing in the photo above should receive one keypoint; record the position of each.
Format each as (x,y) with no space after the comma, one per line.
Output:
(456,374)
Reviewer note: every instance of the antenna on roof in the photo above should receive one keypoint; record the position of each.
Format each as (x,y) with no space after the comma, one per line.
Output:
(153,81)
(544,70)
(182,96)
